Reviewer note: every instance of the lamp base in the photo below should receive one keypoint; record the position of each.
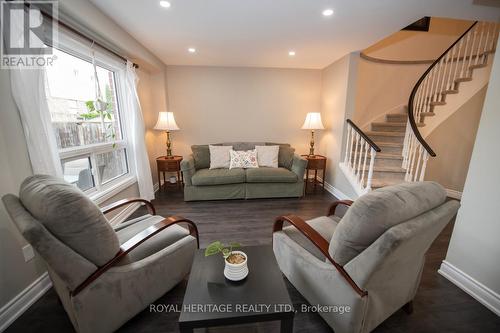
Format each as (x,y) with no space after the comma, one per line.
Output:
(311,144)
(169,147)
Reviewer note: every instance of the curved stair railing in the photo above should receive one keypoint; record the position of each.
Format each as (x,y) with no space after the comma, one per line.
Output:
(443,77)
(360,152)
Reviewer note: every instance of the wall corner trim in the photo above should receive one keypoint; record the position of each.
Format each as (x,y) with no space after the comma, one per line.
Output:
(336,192)
(454,194)
(471,286)
(20,303)
(124,214)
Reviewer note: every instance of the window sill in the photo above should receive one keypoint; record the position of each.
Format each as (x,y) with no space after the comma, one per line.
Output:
(111,191)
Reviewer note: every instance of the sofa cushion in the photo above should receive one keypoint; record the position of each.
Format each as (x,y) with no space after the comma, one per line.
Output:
(204,177)
(245,159)
(374,213)
(267,156)
(243,145)
(270,175)
(324,225)
(219,157)
(201,156)
(70,216)
(285,154)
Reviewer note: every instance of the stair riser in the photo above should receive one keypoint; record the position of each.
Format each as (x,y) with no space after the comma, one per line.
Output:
(388,150)
(387,162)
(385,128)
(384,175)
(383,138)
(384,162)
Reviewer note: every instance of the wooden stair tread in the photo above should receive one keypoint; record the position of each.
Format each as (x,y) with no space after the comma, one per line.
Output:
(478,66)
(450,91)
(383,133)
(438,103)
(378,183)
(390,144)
(391,124)
(382,156)
(427,114)
(386,169)
(463,79)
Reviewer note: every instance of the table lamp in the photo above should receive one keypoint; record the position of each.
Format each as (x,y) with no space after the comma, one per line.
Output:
(313,122)
(166,122)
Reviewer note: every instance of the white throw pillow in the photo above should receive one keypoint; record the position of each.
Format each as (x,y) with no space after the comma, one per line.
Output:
(267,156)
(243,159)
(219,156)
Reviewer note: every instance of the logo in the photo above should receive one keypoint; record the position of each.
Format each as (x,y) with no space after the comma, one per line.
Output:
(28,31)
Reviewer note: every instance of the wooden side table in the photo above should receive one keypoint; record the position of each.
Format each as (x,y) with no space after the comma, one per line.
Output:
(166,164)
(315,162)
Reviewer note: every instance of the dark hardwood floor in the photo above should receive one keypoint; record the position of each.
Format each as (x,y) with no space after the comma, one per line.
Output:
(438,307)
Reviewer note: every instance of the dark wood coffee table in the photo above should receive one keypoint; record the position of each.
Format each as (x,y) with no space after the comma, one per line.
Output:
(212,300)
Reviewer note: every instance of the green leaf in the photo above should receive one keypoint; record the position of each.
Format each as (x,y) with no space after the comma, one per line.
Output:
(213,248)
(108,115)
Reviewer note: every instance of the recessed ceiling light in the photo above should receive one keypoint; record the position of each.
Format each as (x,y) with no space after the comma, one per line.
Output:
(328,12)
(192,50)
(165,4)
(291,53)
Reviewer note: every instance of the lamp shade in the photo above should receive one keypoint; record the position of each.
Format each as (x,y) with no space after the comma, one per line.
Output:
(313,121)
(166,122)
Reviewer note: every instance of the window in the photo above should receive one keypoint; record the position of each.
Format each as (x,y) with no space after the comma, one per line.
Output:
(91,143)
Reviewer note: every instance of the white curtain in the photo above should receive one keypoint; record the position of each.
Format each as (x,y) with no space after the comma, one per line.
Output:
(28,90)
(136,134)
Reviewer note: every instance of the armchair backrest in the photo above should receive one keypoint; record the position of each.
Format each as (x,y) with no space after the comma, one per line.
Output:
(374,213)
(64,226)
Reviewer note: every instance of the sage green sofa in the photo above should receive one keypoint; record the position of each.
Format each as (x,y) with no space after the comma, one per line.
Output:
(201,183)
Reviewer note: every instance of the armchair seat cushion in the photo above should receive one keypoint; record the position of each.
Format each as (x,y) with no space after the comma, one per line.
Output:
(324,225)
(158,242)
(270,175)
(204,177)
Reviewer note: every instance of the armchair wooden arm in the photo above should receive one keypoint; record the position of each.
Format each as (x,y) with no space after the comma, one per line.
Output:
(319,242)
(124,202)
(135,241)
(333,206)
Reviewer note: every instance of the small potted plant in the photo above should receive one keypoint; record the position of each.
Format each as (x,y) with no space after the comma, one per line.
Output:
(236,268)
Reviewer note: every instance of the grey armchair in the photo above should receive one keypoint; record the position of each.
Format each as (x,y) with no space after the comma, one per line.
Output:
(371,260)
(103,276)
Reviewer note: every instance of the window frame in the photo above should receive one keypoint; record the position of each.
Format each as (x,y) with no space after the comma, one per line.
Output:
(101,191)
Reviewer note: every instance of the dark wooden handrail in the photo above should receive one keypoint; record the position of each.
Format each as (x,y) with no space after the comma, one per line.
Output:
(364,136)
(411,117)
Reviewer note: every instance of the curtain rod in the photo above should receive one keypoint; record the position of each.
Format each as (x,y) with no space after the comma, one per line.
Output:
(80,34)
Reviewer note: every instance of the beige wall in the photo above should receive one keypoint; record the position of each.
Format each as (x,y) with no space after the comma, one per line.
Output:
(15,273)
(337,104)
(15,165)
(452,141)
(418,45)
(217,104)
(381,88)
(474,247)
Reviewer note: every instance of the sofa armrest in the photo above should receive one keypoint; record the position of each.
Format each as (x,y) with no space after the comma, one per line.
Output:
(299,165)
(188,169)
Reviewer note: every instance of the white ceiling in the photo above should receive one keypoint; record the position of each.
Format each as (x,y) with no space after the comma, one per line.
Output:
(259,33)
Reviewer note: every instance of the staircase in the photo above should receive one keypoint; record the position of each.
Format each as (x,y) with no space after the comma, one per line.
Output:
(394,151)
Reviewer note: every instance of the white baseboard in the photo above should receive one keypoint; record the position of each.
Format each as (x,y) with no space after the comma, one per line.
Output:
(16,307)
(335,191)
(476,289)
(124,214)
(454,194)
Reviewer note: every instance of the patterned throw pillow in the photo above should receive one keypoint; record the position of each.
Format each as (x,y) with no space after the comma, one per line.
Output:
(243,159)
